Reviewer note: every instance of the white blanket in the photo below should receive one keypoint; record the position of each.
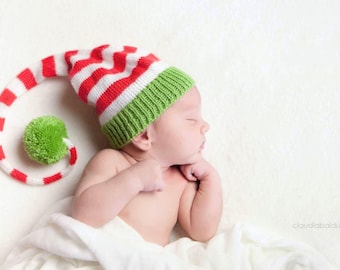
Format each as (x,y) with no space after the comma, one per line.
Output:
(60,242)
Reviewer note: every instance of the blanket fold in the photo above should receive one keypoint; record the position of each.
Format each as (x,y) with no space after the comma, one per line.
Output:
(61,242)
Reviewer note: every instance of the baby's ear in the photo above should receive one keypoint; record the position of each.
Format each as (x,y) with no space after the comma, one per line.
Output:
(143,140)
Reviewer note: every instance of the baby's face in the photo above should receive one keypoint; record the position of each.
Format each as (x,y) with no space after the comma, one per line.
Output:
(180,131)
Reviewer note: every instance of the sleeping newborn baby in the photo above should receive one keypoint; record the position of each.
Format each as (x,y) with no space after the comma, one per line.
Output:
(156,174)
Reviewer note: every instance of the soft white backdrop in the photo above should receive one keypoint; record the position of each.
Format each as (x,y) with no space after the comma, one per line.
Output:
(269,75)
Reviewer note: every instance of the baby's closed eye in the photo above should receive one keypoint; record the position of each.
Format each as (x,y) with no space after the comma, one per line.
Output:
(191,120)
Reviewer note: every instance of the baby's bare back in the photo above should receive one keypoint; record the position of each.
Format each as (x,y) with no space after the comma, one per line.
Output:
(154,214)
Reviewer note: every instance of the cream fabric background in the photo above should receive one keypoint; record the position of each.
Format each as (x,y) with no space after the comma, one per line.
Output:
(268,72)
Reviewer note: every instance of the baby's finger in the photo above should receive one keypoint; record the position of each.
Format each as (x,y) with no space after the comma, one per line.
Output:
(187,171)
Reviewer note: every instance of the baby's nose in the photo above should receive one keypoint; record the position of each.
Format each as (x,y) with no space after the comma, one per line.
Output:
(205,127)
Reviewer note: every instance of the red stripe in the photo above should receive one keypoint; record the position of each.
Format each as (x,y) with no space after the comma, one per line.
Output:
(19,175)
(52,178)
(2,123)
(119,63)
(7,97)
(73,156)
(96,56)
(48,67)
(119,86)
(68,56)
(2,153)
(27,78)
(119,58)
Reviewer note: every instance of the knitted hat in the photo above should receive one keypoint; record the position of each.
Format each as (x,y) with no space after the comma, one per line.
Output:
(128,87)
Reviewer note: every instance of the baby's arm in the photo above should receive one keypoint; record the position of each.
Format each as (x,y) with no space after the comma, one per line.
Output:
(104,190)
(201,208)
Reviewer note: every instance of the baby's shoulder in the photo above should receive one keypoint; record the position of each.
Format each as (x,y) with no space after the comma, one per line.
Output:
(107,159)
(102,166)
(108,153)
(105,154)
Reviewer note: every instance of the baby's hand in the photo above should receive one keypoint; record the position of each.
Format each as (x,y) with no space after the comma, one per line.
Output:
(150,175)
(197,171)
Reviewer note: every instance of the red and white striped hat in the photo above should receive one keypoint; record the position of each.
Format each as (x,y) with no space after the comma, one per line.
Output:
(128,87)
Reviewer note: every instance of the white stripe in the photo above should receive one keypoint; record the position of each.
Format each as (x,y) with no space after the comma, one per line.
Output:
(102,85)
(6,166)
(86,72)
(37,72)
(81,54)
(61,67)
(17,87)
(34,181)
(3,110)
(132,91)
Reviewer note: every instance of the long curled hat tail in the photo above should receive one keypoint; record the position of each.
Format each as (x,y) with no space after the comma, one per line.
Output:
(49,67)
(128,87)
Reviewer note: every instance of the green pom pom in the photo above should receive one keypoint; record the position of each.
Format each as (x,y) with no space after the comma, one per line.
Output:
(43,139)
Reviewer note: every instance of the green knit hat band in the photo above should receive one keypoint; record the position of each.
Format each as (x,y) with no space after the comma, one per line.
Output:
(147,106)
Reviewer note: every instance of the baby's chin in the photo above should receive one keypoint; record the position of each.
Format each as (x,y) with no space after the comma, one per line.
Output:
(188,159)
(195,158)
